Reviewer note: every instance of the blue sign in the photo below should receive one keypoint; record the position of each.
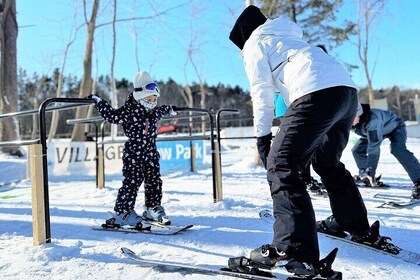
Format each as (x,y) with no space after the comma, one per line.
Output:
(177,155)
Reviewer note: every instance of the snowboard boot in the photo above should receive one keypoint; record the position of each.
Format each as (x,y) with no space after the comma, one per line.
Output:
(415,193)
(268,256)
(331,227)
(124,219)
(372,238)
(156,214)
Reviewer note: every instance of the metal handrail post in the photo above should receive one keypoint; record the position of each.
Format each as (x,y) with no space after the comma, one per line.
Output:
(43,142)
(218,159)
(218,120)
(96,154)
(213,149)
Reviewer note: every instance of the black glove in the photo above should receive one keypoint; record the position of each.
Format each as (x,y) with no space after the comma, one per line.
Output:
(263,146)
(179,109)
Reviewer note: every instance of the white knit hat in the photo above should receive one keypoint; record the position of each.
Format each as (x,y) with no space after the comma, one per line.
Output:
(140,81)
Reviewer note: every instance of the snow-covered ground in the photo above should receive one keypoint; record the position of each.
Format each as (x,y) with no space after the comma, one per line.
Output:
(221,230)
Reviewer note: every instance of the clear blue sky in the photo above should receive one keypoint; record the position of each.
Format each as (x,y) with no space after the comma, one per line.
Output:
(163,41)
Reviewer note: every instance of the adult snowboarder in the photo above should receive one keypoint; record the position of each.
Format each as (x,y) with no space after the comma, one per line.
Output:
(322,103)
(139,118)
(375,125)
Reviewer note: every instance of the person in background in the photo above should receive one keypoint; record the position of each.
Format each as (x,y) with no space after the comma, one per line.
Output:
(374,125)
(322,103)
(139,117)
(87,137)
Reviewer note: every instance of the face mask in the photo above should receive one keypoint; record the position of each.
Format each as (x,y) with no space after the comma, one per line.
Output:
(147,104)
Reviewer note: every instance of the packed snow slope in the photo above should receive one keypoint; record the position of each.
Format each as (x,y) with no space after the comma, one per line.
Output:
(221,230)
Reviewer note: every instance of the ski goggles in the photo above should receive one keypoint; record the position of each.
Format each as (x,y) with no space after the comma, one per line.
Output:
(150,86)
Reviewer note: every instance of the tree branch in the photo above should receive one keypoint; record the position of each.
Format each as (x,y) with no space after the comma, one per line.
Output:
(145,17)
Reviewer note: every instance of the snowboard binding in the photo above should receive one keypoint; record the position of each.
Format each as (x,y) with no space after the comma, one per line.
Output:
(373,239)
(364,180)
(245,265)
(323,268)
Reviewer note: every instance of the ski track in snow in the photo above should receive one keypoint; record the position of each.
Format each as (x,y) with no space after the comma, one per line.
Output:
(221,230)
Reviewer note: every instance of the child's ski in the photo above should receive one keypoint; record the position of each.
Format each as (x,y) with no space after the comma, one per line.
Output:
(146,228)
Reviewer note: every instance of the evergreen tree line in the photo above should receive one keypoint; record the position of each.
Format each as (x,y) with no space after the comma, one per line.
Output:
(34,89)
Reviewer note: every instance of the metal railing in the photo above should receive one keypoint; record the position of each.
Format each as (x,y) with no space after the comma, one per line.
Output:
(78,102)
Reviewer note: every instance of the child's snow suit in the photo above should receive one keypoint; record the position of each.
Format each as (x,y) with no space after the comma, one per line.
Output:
(140,155)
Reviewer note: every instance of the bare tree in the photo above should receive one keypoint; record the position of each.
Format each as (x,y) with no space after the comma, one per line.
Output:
(55,114)
(86,84)
(114,99)
(8,72)
(135,41)
(368,11)
(36,105)
(192,50)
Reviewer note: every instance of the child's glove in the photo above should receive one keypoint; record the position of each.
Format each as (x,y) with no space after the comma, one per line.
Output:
(95,98)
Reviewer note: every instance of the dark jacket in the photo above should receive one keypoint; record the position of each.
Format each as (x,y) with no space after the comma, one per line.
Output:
(375,125)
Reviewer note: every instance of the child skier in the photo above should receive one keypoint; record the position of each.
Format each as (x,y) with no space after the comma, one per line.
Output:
(139,117)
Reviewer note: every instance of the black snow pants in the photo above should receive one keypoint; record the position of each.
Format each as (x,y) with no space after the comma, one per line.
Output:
(315,129)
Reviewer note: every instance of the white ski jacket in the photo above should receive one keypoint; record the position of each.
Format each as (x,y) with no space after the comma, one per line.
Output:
(276,59)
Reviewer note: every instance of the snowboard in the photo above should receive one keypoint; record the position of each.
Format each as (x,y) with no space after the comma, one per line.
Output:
(398,204)
(147,229)
(405,255)
(196,269)
(395,200)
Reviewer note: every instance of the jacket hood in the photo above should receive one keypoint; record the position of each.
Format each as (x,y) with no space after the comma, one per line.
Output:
(280,26)
(364,117)
(247,22)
